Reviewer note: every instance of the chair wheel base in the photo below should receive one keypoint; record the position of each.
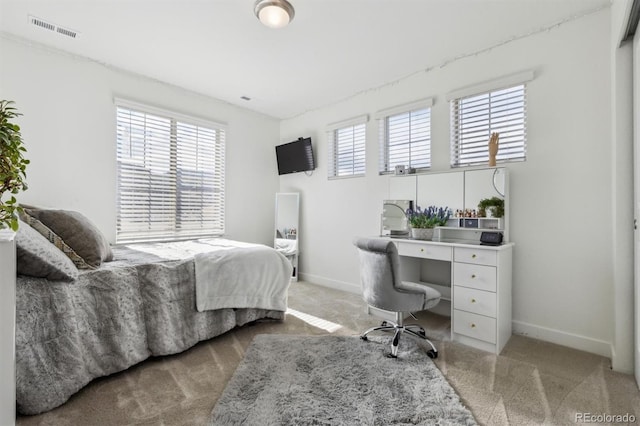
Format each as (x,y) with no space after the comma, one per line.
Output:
(413,330)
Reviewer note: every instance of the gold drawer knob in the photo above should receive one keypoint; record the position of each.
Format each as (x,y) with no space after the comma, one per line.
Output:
(473,276)
(473,325)
(473,256)
(473,300)
(421,249)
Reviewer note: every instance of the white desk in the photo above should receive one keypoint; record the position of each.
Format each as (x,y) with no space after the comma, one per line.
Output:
(474,280)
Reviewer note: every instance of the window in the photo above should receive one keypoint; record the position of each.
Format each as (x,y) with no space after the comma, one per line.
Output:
(475,116)
(347,142)
(405,136)
(170,172)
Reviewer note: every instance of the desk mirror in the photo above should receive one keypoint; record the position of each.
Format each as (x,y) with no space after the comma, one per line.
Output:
(441,190)
(458,190)
(484,183)
(394,221)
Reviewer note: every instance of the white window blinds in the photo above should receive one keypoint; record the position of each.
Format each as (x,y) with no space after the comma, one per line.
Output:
(347,143)
(170,175)
(405,137)
(475,117)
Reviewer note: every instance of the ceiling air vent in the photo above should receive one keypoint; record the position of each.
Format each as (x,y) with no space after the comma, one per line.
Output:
(52,27)
(67,32)
(42,24)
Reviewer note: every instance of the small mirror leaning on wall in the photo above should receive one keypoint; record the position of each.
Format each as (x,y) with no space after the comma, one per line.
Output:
(286,238)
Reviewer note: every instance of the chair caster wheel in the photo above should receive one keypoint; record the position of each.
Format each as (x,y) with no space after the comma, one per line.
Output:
(390,355)
(432,354)
(384,324)
(364,338)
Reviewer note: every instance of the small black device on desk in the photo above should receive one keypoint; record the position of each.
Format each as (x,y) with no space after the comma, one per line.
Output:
(490,238)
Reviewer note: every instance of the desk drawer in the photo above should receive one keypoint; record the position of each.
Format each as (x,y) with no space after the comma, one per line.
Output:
(474,276)
(476,301)
(473,325)
(474,255)
(427,251)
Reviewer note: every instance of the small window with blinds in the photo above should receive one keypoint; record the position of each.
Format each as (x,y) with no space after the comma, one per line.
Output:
(474,118)
(170,175)
(405,140)
(347,149)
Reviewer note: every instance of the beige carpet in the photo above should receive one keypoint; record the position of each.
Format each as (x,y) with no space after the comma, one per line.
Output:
(531,382)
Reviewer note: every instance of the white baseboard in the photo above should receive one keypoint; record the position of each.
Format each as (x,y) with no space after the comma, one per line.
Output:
(326,282)
(622,366)
(575,341)
(559,337)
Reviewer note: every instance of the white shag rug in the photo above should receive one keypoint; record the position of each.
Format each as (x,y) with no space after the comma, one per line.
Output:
(337,380)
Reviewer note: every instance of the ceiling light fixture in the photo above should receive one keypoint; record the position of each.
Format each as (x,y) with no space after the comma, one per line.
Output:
(274,13)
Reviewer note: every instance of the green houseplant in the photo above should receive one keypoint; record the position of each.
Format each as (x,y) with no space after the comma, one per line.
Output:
(12,166)
(424,220)
(494,204)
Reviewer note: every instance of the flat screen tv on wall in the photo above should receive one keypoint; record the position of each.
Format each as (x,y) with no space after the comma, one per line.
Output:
(296,156)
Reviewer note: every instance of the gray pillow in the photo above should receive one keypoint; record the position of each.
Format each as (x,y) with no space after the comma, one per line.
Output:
(55,239)
(37,257)
(78,232)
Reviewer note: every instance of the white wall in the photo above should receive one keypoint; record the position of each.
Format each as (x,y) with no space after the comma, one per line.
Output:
(560,197)
(68,126)
(622,187)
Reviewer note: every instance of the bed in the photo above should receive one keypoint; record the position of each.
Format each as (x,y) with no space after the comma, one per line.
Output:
(142,302)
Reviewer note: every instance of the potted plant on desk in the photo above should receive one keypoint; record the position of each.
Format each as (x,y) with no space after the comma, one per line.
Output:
(493,205)
(424,220)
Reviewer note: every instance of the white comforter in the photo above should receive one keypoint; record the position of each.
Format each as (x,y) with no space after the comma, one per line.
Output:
(286,247)
(241,275)
(231,274)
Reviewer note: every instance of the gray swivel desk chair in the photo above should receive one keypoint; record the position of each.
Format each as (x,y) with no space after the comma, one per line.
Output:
(382,288)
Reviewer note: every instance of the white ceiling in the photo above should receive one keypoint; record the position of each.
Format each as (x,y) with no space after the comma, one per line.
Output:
(332,50)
